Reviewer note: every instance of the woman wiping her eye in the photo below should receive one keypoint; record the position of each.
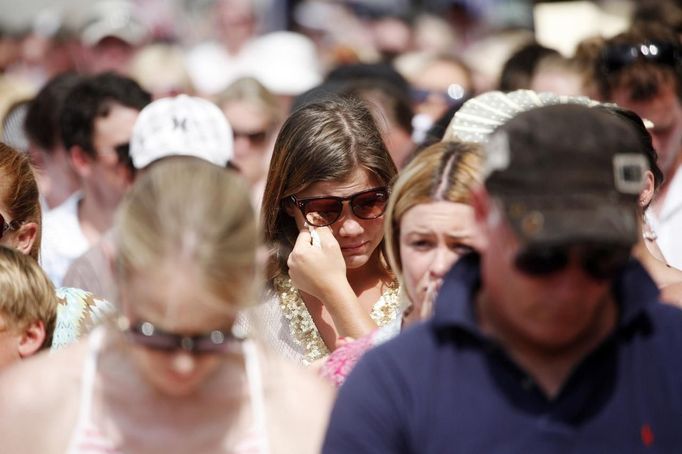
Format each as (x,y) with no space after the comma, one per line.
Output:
(329,174)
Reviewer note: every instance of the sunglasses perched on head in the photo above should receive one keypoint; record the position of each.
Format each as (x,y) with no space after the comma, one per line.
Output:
(145,334)
(7,226)
(615,57)
(323,211)
(599,261)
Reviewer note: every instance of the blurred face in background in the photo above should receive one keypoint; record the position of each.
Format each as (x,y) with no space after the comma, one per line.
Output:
(438,86)
(106,176)
(664,110)
(253,135)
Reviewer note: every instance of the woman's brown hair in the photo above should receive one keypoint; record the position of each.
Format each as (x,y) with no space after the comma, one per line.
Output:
(324,141)
(19,191)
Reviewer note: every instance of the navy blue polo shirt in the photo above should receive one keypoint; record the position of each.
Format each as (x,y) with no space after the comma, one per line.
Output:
(443,387)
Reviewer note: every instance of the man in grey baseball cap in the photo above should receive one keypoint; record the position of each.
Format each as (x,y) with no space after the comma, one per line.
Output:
(552,339)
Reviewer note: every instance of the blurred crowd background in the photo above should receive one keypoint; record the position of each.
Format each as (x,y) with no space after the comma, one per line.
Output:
(200,46)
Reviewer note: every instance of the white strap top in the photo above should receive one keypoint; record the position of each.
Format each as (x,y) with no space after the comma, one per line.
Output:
(87,438)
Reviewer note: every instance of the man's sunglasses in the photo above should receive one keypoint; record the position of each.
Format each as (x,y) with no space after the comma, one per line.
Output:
(324,211)
(601,262)
(7,226)
(147,335)
(255,137)
(615,57)
(453,95)
(123,155)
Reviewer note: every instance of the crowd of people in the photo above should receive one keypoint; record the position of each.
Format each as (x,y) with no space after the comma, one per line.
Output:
(340,238)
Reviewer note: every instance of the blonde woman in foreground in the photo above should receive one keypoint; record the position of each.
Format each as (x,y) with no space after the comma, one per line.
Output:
(170,375)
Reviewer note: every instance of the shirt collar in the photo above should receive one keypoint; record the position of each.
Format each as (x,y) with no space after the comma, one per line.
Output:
(633,289)
(455,302)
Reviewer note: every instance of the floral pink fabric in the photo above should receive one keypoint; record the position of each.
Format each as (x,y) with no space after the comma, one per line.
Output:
(342,360)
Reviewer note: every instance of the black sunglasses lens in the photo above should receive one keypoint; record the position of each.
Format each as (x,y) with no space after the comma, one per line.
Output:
(322,212)
(123,154)
(540,261)
(370,205)
(216,342)
(605,262)
(419,95)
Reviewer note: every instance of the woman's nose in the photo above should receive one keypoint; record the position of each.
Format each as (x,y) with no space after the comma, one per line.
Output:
(443,259)
(350,226)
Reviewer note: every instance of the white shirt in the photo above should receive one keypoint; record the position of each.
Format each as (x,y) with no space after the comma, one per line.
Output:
(63,240)
(668,226)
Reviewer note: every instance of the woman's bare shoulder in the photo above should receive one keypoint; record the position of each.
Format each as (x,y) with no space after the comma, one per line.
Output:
(299,404)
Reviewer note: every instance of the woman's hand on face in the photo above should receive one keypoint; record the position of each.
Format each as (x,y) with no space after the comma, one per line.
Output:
(426,294)
(314,269)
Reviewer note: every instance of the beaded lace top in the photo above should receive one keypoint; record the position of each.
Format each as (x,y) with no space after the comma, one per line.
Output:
(301,323)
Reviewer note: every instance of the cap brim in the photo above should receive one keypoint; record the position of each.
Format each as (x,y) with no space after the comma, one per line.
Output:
(605,221)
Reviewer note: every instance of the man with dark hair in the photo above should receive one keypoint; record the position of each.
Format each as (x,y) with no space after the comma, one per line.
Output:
(641,70)
(552,339)
(55,175)
(518,70)
(96,120)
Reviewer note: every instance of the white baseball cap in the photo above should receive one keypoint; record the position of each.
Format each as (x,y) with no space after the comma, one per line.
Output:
(181,126)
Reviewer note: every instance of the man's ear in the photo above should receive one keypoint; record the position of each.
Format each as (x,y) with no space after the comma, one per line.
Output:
(481,202)
(647,193)
(81,161)
(32,339)
(26,235)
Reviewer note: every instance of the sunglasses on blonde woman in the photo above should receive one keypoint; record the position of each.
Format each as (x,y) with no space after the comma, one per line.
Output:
(324,211)
(146,335)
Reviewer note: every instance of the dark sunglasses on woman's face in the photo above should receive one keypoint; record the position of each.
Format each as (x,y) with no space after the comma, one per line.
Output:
(615,57)
(599,261)
(324,211)
(145,334)
(7,226)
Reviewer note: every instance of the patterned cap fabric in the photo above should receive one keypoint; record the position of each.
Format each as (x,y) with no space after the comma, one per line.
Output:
(481,115)
(181,126)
